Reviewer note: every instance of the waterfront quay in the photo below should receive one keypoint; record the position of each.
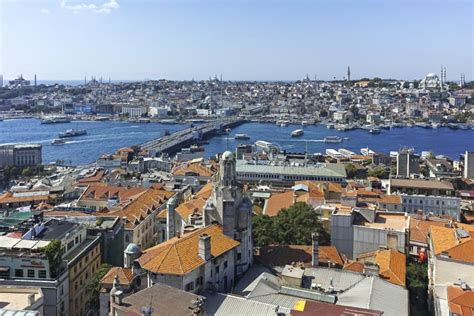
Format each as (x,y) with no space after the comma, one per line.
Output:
(172,143)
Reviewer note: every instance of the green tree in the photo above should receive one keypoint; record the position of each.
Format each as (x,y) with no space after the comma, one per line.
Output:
(27,172)
(379,172)
(262,229)
(417,277)
(54,253)
(351,170)
(93,286)
(292,226)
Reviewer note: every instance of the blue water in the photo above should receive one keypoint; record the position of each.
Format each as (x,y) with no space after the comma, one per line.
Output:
(102,137)
(441,140)
(106,137)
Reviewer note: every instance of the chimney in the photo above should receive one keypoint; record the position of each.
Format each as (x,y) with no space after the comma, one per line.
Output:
(204,249)
(31,299)
(371,269)
(118,297)
(315,252)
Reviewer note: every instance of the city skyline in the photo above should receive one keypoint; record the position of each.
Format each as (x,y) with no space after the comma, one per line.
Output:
(267,40)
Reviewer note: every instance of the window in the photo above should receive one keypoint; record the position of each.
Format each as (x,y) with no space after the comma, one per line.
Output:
(239,256)
(19,273)
(217,269)
(31,273)
(42,274)
(198,281)
(225,264)
(189,286)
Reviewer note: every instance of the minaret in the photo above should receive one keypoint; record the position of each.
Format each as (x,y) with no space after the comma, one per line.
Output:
(35,80)
(348,73)
(85,80)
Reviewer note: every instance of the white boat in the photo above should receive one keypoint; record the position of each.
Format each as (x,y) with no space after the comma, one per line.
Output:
(435,125)
(241,136)
(374,130)
(58,141)
(332,139)
(297,133)
(342,127)
(304,123)
(55,120)
(330,125)
(366,151)
(346,152)
(263,144)
(73,133)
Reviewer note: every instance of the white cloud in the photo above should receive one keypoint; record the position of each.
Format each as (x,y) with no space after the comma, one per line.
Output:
(45,11)
(105,7)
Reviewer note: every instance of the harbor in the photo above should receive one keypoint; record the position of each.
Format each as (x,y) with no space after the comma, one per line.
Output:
(108,136)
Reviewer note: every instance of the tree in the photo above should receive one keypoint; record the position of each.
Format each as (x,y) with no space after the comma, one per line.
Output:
(262,229)
(292,226)
(93,286)
(27,172)
(323,113)
(379,172)
(54,253)
(417,277)
(351,170)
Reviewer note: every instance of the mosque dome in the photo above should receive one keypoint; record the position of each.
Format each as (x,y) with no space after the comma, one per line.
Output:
(132,249)
(227,155)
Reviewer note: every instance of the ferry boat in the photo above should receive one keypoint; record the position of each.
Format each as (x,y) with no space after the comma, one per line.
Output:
(73,133)
(297,133)
(332,139)
(241,136)
(263,144)
(374,130)
(58,141)
(55,120)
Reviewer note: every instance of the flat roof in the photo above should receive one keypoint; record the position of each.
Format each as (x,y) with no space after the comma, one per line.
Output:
(324,170)
(422,184)
(56,229)
(390,221)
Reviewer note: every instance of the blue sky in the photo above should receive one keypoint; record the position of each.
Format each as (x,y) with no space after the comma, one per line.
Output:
(240,39)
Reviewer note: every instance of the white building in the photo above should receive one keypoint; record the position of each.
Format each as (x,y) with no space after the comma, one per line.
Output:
(438,205)
(469,165)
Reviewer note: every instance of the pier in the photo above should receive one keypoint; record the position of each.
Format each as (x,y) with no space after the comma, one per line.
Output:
(174,142)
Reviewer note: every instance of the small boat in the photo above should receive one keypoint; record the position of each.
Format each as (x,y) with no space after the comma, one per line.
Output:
(342,127)
(58,141)
(55,120)
(330,125)
(453,126)
(73,133)
(241,136)
(264,145)
(374,130)
(297,133)
(143,120)
(304,123)
(463,127)
(333,139)
(435,125)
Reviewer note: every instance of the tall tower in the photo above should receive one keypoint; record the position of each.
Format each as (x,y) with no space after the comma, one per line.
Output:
(231,209)
(348,73)
(35,80)
(463,81)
